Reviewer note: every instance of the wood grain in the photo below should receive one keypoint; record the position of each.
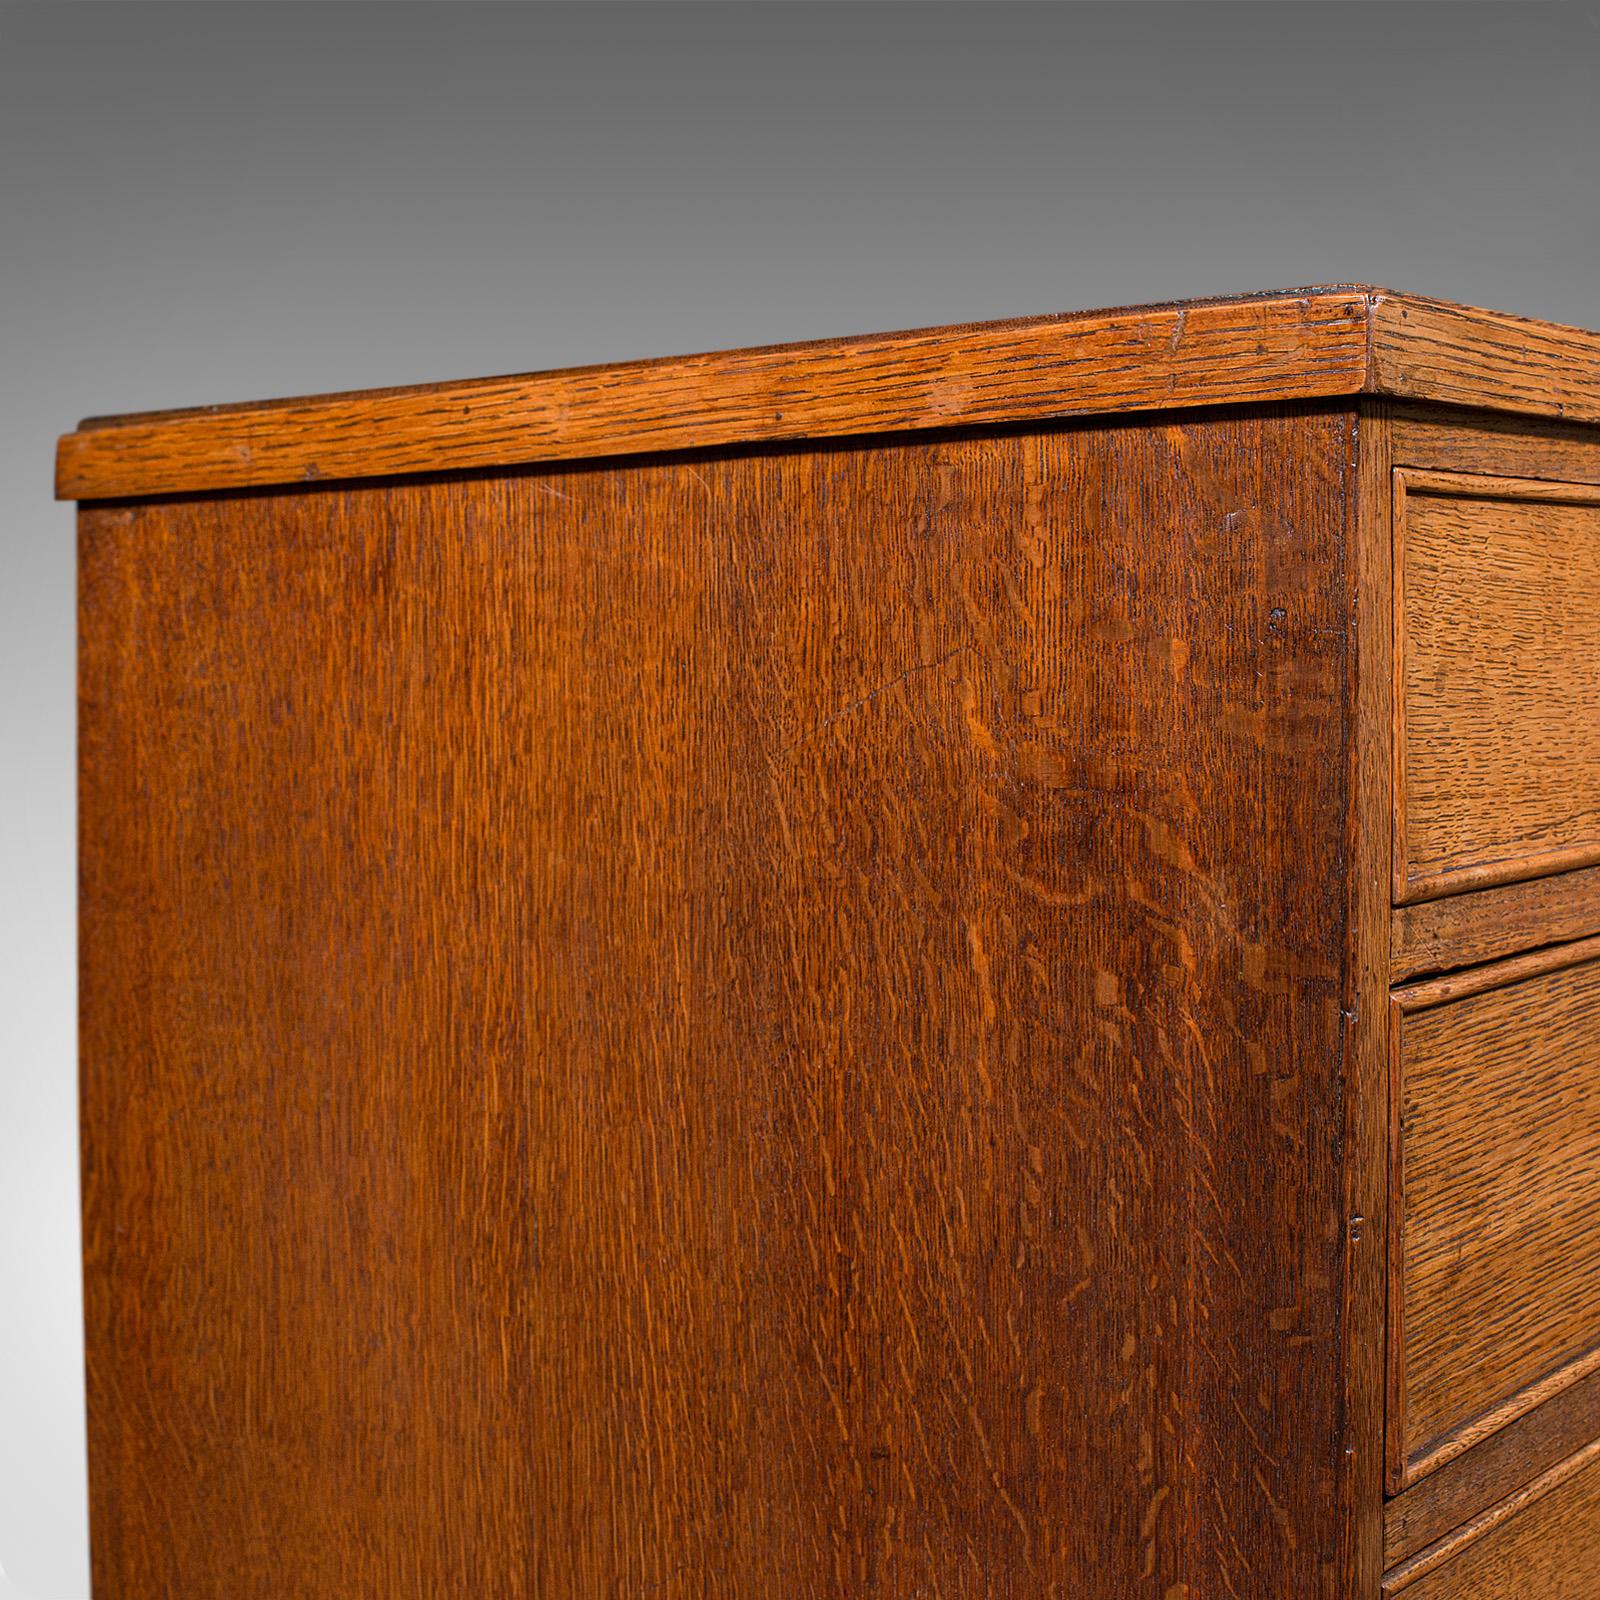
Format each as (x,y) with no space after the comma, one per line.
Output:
(1493,445)
(1538,1541)
(1425,349)
(1490,924)
(732,1026)
(1505,1461)
(1497,743)
(1303,344)
(1497,1256)
(1448,986)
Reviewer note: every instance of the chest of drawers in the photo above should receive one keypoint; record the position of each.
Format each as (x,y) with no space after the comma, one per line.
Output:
(956,964)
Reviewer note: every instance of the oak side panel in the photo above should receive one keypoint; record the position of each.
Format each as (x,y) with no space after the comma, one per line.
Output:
(727,1026)
(1498,753)
(1499,1280)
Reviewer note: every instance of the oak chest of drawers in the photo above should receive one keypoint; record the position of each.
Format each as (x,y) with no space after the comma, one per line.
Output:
(957,964)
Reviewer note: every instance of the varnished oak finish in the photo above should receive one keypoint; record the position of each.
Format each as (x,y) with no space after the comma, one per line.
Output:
(1302,344)
(1364,1017)
(1491,444)
(875,969)
(1496,1302)
(1431,350)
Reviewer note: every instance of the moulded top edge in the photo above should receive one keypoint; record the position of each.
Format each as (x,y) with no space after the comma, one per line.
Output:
(1283,345)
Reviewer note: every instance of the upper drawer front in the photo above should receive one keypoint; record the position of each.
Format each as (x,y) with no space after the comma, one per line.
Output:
(1497,646)
(1497,1294)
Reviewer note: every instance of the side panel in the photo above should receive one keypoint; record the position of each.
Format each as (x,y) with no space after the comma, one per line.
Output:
(726,1027)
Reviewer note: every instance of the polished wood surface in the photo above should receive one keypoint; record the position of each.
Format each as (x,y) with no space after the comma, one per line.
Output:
(1505,1461)
(1364,1015)
(1497,1292)
(733,1026)
(1498,698)
(1317,343)
(1538,1541)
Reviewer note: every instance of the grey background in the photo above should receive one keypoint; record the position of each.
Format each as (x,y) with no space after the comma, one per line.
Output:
(232,201)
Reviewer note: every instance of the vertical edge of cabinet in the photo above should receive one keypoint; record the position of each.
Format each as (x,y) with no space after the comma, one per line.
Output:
(1367,1068)
(99,1579)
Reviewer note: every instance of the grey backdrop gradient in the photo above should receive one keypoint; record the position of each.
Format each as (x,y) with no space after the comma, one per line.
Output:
(233,201)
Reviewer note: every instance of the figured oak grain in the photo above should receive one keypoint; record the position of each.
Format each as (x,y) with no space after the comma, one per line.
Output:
(1497,1293)
(1498,639)
(731,1026)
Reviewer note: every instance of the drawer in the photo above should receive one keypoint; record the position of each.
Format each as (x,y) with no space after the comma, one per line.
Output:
(1543,1541)
(1495,1273)
(1497,695)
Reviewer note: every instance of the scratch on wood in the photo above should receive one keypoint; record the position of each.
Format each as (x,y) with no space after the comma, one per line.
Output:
(866,699)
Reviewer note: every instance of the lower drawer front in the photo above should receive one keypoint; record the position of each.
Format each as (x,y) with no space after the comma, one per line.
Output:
(1499,1215)
(1547,1545)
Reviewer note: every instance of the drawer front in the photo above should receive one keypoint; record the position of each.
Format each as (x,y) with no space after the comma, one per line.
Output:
(1496,1294)
(1543,1542)
(1497,659)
